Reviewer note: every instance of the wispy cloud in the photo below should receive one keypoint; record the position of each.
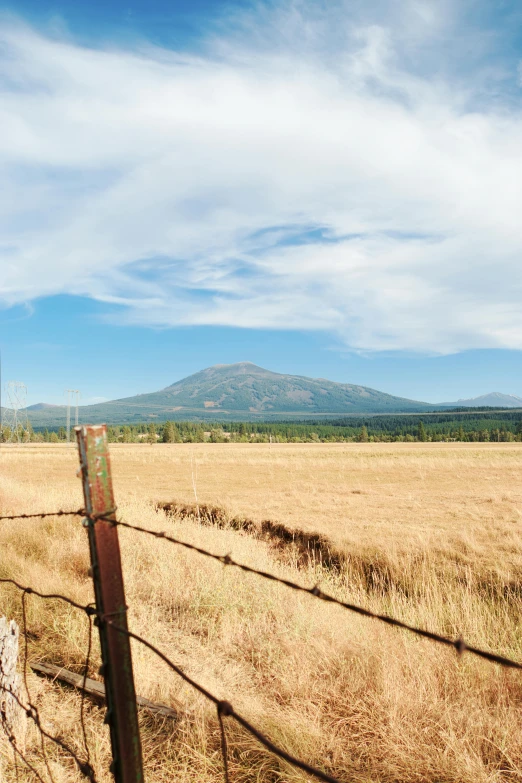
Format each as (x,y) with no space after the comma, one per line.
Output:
(315,167)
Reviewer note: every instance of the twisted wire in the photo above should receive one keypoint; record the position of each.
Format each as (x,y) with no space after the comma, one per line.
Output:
(51,596)
(32,712)
(225,709)
(30,709)
(26,684)
(16,750)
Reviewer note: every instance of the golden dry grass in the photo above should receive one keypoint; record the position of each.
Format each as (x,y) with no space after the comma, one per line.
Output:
(430,533)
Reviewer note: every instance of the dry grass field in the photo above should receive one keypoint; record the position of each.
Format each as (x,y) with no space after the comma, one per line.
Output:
(430,533)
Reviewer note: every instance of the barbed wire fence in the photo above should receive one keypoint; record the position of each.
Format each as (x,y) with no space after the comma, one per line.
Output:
(24,705)
(109,614)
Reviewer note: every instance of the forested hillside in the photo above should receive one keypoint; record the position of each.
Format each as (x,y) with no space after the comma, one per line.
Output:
(463,426)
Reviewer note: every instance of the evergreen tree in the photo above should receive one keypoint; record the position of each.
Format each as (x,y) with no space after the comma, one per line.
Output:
(421,432)
(113,434)
(170,433)
(363,435)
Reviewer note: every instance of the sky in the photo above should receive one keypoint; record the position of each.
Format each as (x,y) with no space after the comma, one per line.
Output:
(324,188)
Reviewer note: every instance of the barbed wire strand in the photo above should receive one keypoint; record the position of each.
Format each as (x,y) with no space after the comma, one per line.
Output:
(51,596)
(225,708)
(30,709)
(16,750)
(78,512)
(26,684)
(12,739)
(32,713)
(458,644)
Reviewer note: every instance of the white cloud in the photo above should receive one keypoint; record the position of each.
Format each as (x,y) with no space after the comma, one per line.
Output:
(310,170)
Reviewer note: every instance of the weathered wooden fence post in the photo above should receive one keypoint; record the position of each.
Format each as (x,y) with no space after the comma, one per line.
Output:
(12,714)
(122,715)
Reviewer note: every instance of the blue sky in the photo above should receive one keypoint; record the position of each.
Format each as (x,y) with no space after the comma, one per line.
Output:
(328,189)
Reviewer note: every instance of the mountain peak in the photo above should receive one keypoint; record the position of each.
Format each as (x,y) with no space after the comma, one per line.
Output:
(220,372)
(244,388)
(239,366)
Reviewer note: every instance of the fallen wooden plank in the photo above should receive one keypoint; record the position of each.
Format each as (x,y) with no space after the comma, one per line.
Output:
(96,689)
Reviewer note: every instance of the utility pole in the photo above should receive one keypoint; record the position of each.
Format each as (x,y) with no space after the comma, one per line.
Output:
(70,392)
(15,415)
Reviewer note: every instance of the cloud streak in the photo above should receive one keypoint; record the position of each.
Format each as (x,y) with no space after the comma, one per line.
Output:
(310,169)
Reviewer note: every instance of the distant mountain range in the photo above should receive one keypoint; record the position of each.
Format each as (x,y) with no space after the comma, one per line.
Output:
(244,391)
(493,400)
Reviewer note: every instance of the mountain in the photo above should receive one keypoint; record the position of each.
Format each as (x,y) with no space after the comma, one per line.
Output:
(238,391)
(244,391)
(492,400)
(246,388)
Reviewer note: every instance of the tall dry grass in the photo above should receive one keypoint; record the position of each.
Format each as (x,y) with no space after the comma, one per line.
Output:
(435,541)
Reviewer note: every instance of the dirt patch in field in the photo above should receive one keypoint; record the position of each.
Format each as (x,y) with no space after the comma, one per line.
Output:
(372,569)
(308,547)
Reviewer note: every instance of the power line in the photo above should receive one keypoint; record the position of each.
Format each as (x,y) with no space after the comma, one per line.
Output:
(15,418)
(74,395)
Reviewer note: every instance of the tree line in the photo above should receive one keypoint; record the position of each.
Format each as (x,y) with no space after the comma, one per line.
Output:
(472,427)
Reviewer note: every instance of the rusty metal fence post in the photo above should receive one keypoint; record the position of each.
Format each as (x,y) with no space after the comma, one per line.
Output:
(122,715)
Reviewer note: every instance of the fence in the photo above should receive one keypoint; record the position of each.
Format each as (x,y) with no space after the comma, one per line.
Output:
(109,614)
